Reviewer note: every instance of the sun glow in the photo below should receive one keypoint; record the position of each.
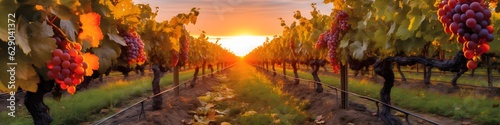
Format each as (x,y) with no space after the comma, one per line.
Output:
(240,45)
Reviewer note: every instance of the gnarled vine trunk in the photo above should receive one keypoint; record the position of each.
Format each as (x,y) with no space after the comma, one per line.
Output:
(195,76)
(316,64)
(274,70)
(35,105)
(211,70)
(284,68)
(157,74)
(296,75)
(403,78)
(384,69)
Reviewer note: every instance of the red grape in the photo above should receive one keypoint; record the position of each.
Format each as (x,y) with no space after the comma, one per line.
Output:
(471,64)
(484,47)
(471,23)
(469,54)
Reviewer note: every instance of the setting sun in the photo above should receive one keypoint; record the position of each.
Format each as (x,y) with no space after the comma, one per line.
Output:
(239,45)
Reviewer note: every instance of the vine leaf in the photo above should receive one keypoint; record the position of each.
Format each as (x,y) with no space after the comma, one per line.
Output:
(91,31)
(358,49)
(42,51)
(403,31)
(22,36)
(25,75)
(117,38)
(61,11)
(93,63)
(106,52)
(415,22)
(7,6)
(69,27)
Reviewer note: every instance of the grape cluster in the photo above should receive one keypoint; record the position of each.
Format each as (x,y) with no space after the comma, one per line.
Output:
(470,20)
(175,58)
(331,38)
(184,49)
(67,66)
(134,51)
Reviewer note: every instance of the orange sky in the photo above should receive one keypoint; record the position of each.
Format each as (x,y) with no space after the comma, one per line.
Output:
(230,18)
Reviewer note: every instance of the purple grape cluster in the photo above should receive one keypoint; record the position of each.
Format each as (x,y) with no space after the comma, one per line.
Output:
(470,20)
(134,51)
(184,48)
(331,38)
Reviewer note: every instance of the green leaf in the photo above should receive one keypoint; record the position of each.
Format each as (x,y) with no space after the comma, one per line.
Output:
(61,11)
(358,49)
(403,31)
(22,36)
(380,39)
(7,7)
(344,42)
(25,76)
(117,38)
(42,51)
(415,22)
(70,28)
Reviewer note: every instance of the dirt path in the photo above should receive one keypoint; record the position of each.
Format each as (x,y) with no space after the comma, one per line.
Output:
(174,109)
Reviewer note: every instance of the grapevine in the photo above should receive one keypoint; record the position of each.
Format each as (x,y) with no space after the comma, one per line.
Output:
(134,51)
(332,37)
(470,20)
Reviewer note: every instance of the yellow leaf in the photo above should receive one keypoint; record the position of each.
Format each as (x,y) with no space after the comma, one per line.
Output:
(92,62)
(91,28)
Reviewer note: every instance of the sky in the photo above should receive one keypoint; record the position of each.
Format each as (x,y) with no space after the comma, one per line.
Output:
(241,24)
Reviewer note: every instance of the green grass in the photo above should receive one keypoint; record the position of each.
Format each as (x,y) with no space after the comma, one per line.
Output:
(81,107)
(254,92)
(462,106)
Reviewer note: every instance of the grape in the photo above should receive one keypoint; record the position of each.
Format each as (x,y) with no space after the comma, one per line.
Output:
(63,86)
(484,47)
(454,27)
(471,64)
(471,23)
(68,81)
(471,45)
(469,54)
(474,37)
(487,14)
(65,64)
(71,89)
(470,14)
(475,6)
(65,57)
(73,66)
(483,33)
(57,52)
(479,16)
(464,7)
(72,52)
(490,29)
(490,37)
(66,72)
(456,18)
(51,74)
(79,59)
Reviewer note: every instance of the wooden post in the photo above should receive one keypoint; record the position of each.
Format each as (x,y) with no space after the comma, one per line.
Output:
(176,80)
(488,69)
(344,86)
